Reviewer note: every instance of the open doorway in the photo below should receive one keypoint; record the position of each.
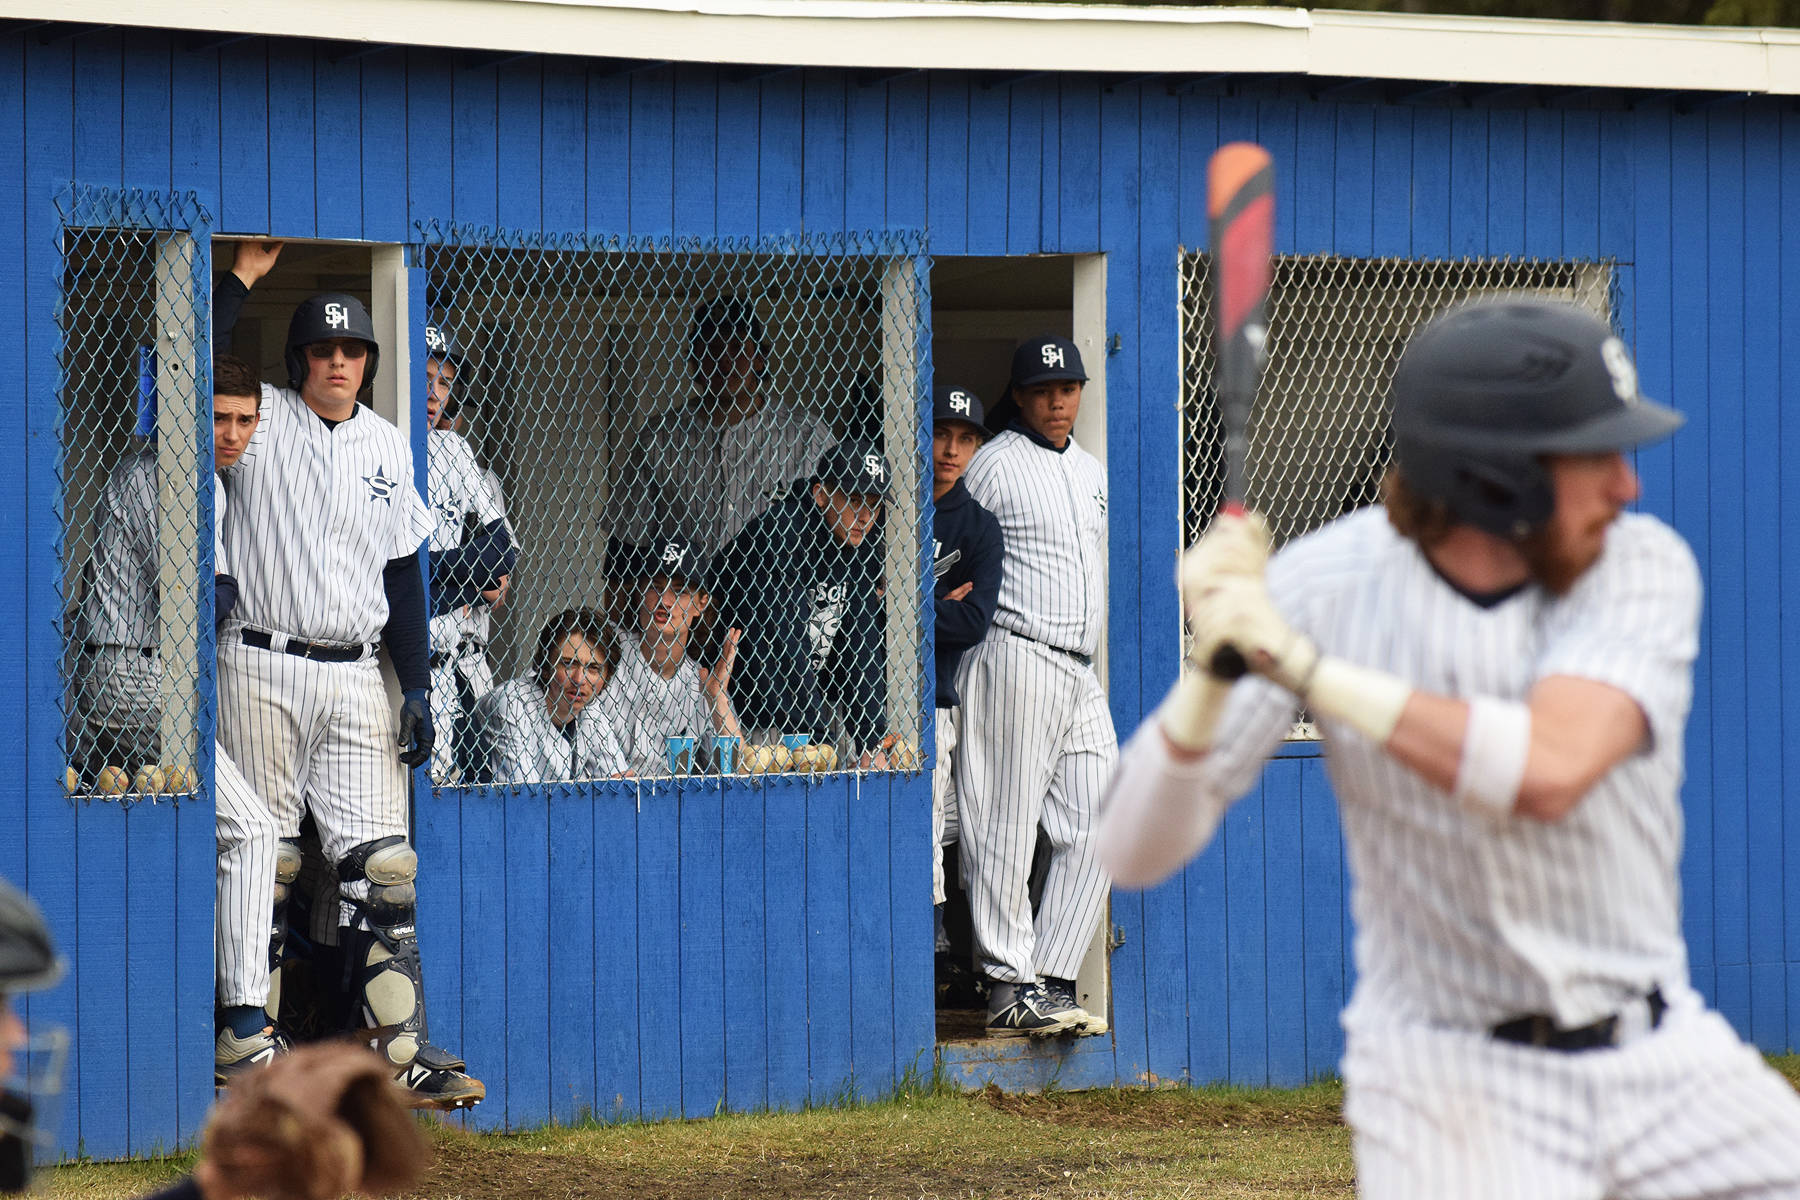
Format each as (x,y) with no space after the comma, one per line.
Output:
(981,308)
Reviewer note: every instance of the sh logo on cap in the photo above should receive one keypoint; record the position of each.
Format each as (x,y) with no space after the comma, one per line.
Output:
(337,316)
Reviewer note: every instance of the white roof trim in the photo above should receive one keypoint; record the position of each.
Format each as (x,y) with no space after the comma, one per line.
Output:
(976,35)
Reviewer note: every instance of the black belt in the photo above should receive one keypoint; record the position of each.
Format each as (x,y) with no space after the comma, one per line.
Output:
(96,647)
(440,657)
(1086,660)
(1540,1030)
(316,651)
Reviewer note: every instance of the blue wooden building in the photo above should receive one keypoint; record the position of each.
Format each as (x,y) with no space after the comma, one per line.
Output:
(647,952)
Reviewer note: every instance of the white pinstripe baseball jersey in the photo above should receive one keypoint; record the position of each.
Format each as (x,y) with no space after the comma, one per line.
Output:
(1462,923)
(457,488)
(316,513)
(705,479)
(120,604)
(1053,589)
(648,710)
(524,746)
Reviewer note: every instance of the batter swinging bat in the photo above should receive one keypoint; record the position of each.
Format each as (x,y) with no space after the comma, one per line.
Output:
(1240,209)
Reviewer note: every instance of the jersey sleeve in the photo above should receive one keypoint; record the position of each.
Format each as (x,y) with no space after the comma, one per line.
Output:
(412,520)
(1633,622)
(505,735)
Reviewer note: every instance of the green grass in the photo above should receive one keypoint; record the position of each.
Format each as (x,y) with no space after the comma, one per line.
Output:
(1232,1144)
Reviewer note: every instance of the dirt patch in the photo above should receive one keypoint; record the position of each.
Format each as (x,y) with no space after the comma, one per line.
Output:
(1163,1110)
(508,1175)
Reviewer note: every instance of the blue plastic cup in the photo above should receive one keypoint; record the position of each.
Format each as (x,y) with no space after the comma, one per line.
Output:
(728,748)
(793,741)
(681,755)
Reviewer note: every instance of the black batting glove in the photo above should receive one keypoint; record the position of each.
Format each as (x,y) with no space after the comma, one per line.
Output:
(416,735)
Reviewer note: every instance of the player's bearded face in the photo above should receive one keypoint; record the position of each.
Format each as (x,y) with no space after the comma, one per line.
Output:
(1591,490)
(234,420)
(1050,408)
(334,370)
(579,675)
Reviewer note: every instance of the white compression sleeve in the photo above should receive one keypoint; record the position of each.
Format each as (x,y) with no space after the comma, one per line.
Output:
(1190,711)
(1158,812)
(1496,744)
(1368,700)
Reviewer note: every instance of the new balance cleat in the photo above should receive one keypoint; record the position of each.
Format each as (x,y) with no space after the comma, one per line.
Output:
(438,1079)
(1030,1010)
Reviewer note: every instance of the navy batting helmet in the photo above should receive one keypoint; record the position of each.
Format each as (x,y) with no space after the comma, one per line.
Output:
(327,316)
(1482,393)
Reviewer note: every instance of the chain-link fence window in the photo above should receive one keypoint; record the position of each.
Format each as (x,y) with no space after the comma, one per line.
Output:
(678,501)
(1320,435)
(131,547)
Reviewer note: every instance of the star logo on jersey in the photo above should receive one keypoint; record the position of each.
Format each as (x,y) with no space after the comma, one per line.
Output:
(380,486)
(1100,499)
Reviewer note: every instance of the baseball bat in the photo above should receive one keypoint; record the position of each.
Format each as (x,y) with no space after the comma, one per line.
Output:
(1240,210)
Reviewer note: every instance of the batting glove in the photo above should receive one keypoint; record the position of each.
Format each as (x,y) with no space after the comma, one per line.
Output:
(1234,547)
(1236,611)
(416,735)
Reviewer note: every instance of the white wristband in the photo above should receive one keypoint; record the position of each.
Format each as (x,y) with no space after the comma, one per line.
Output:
(1367,700)
(1191,709)
(1495,747)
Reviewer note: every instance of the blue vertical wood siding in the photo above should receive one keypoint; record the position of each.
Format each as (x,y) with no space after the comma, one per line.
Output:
(667,951)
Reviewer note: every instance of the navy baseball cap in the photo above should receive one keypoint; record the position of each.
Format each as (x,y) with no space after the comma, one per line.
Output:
(950,403)
(672,556)
(1044,359)
(855,468)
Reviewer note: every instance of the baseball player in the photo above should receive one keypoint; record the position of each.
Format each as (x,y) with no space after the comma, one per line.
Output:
(324,526)
(966,551)
(1039,742)
(121,694)
(545,727)
(708,468)
(661,692)
(468,574)
(802,583)
(1500,662)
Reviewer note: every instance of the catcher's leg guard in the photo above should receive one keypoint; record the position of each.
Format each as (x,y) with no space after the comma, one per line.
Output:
(381,951)
(287,870)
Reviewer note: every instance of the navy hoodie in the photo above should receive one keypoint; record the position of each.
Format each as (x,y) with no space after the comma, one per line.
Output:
(966,548)
(791,586)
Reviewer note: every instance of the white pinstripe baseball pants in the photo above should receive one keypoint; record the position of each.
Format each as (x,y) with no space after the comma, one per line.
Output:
(945,822)
(1686,1111)
(1037,748)
(318,736)
(245,901)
